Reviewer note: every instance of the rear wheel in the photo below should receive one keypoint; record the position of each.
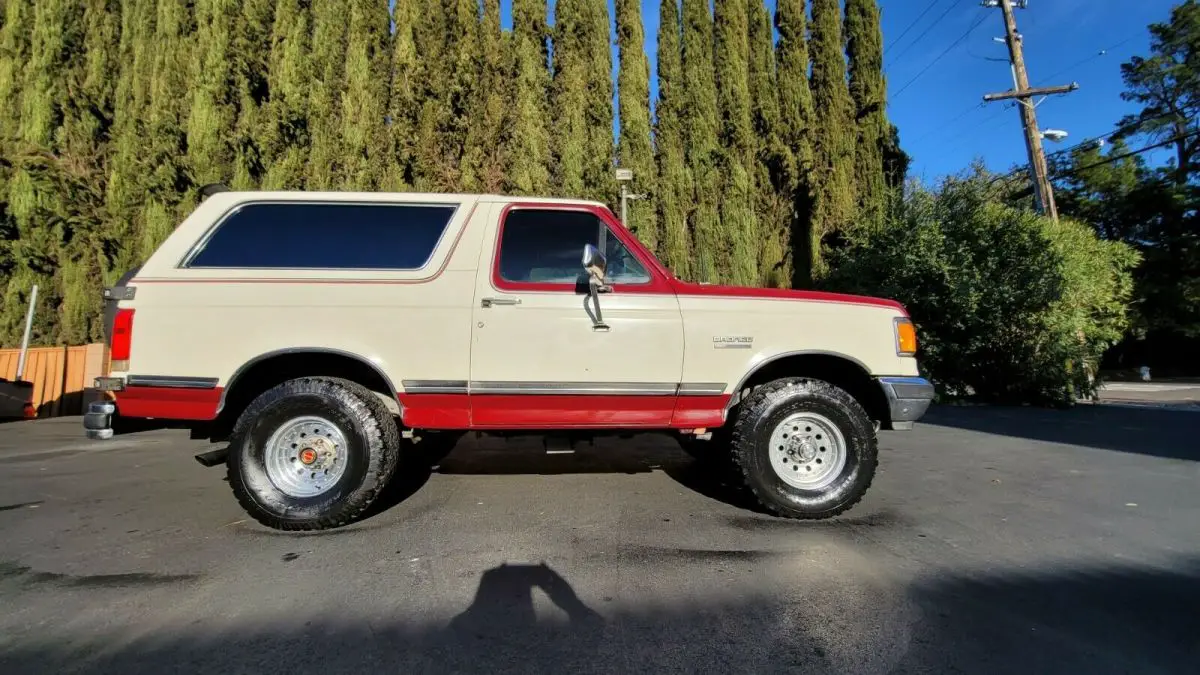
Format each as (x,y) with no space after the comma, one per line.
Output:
(806,448)
(312,453)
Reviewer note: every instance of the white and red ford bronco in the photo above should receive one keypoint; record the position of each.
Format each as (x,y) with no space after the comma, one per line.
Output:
(315,336)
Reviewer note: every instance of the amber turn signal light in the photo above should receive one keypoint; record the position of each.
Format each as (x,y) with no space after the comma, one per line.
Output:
(906,337)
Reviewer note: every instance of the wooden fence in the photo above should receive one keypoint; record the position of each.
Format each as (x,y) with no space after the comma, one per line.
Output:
(61,376)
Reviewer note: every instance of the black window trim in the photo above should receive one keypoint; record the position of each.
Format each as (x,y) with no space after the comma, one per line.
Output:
(198,246)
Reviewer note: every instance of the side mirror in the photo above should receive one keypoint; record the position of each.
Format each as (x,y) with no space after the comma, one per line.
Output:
(596,265)
(594,261)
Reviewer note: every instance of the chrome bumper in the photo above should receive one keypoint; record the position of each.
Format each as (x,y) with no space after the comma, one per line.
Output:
(908,399)
(97,422)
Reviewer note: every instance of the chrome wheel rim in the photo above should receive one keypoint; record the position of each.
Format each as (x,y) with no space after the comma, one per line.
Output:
(807,451)
(305,456)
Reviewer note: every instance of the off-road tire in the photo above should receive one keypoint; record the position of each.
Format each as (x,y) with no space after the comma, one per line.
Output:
(770,404)
(373,440)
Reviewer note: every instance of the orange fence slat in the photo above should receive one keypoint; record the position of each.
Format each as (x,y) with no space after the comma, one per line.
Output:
(60,375)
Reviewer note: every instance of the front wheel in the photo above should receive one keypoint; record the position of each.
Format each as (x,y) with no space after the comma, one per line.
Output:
(312,453)
(806,448)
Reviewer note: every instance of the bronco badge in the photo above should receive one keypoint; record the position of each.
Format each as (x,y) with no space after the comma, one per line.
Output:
(732,342)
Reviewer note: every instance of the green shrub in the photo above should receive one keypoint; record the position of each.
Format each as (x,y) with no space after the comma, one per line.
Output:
(1009,305)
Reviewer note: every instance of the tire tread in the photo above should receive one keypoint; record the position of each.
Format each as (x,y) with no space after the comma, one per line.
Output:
(742,444)
(377,423)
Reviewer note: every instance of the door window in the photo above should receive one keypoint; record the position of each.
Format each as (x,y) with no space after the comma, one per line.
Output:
(546,247)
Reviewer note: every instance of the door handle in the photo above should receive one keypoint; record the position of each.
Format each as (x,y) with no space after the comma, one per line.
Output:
(492,302)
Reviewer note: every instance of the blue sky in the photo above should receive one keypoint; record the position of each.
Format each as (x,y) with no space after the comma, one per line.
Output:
(941,122)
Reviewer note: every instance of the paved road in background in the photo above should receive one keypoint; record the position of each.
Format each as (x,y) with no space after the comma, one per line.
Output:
(1174,394)
(993,541)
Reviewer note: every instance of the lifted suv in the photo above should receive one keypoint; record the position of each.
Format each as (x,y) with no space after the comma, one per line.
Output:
(316,332)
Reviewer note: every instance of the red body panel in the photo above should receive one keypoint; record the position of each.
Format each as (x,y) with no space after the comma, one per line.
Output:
(699,411)
(491,411)
(436,411)
(685,288)
(508,411)
(169,403)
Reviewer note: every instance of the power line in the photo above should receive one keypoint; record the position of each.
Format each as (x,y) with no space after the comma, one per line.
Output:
(1107,160)
(915,21)
(926,31)
(951,122)
(1093,57)
(939,57)
(1132,126)
(1124,155)
(999,111)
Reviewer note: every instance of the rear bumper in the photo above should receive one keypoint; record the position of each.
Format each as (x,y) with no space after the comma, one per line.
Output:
(97,422)
(908,398)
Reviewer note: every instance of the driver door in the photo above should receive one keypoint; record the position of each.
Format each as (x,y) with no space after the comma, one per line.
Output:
(539,356)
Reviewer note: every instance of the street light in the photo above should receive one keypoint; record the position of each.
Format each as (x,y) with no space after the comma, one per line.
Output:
(1056,135)
(625,176)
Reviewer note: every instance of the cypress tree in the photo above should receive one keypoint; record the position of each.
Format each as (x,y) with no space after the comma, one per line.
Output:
(126,186)
(833,140)
(868,91)
(35,248)
(596,29)
(364,100)
(252,33)
(431,170)
(582,99)
(674,191)
(165,144)
(284,134)
(527,138)
(569,99)
(328,56)
(739,225)
(462,49)
(42,222)
(210,123)
(796,127)
(14,55)
(633,148)
(773,202)
(895,166)
(402,97)
(83,143)
(701,125)
(42,92)
(447,38)
(484,151)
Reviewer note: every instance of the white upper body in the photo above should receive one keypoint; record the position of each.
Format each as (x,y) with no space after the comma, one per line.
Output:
(480,290)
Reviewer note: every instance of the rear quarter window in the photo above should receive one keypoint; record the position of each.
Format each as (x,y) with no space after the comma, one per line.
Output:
(325,236)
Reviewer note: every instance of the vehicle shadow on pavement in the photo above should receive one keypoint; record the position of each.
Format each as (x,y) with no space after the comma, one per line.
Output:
(1072,620)
(1145,431)
(645,453)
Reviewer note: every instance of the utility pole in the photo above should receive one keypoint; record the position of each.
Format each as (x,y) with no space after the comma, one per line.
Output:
(1024,94)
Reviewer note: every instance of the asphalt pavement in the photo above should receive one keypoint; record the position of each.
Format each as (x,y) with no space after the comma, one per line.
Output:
(993,541)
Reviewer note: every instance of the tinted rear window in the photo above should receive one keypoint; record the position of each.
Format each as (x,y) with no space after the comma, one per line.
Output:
(326,236)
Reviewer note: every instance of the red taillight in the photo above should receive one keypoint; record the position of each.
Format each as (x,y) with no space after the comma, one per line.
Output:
(122,336)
